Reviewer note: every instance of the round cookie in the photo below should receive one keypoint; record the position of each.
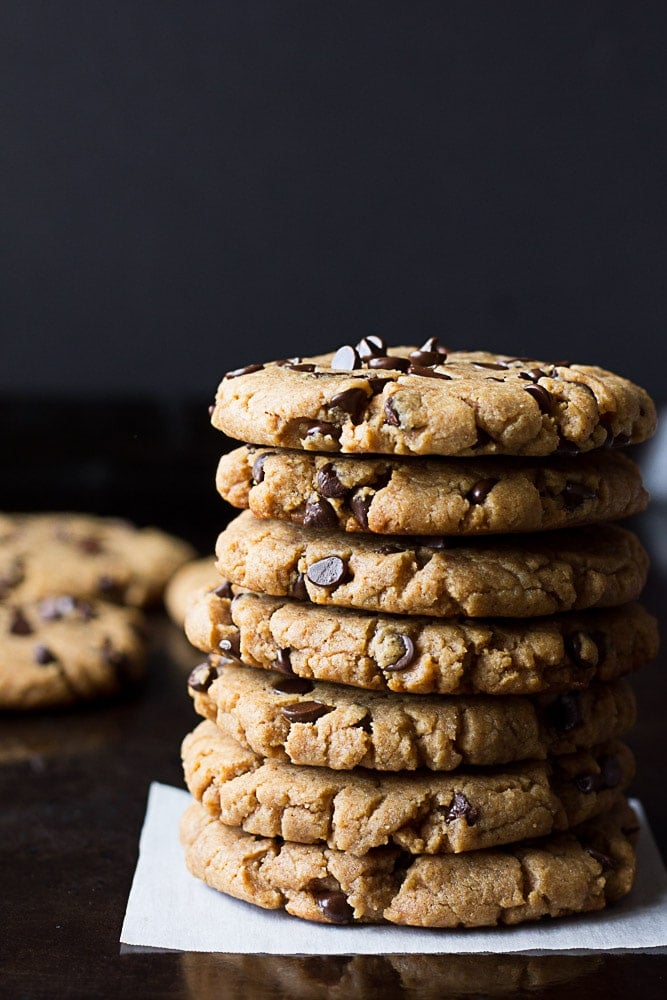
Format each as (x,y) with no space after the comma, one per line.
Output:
(422,812)
(188,582)
(62,650)
(42,555)
(514,576)
(426,402)
(575,872)
(423,655)
(431,496)
(328,725)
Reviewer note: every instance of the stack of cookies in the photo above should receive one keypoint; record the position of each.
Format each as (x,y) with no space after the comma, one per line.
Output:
(415,689)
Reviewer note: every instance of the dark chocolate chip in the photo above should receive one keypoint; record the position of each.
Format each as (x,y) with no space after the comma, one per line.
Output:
(542,397)
(294,685)
(424,372)
(202,677)
(564,713)
(365,723)
(377,385)
(483,438)
(258,468)
(425,358)
(346,359)
(43,655)
(231,647)
(390,363)
(575,494)
(432,345)
(19,624)
(566,447)
(391,417)
(328,572)
(352,401)
(586,783)
(390,549)
(533,374)
(298,367)
(478,493)
(371,347)
(211,409)
(283,662)
(305,711)
(621,440)
(320,514)
(248,370)
(328,483)
(334,906)
(574,647)
(605,862)
(461,807)
(323,429)
(299,589)
(408,654)
(497,366)
(610,770)
(224,590)
(360,505)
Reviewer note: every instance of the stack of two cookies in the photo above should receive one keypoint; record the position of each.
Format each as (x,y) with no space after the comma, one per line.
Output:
(414,691)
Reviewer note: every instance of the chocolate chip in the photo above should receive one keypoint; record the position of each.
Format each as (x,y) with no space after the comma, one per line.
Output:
(258,468)
(377,385)
(390,363)
(407,656)
(202,677)
(533,374)
(461,807)
(542,397)
(605,862)
(91,546)
(483,438)
(294,685)
(334,906)
(478,493)
(109,587)
(19,624)
(287,362)
(211,409)
(566,447)
(433,345)
(427,372)
(323,429)
(283,662)
(574,494)
(574,647)
(498,366)
(564,713)
(43,655)
(231,647)
(248,370)
(586,783)
(352,401)
(371,347)
(425,358)
(360,505)
(328,483)
(298,367)
(305,711)
(390,415)
(320,514)
(299,589)
(328,572)
(346,358)
(224,590)
(610,770)
(365,723)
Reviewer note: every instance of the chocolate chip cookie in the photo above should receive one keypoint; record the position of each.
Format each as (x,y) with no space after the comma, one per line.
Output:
(42,555)
(422,655)
(328,725)
(566,873)
(61,650)
(422,812)
(426,401)
(522,576)
(431,496)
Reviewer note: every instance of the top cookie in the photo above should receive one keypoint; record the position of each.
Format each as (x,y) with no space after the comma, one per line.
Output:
(426,401)
(42,555)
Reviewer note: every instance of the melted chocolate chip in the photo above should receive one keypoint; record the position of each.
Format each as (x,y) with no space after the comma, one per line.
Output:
(320,514)
(248,370)
(371,347)
(461,807)
(424,372)
(425,358)
(224,590)
(360,505)
(497,366)
(298,367)
(390,363)
(283,662)
(299,589)
(258,468)
(19,624)
(43,655)
(305,711)
(574,647)
(478,493)
(542,397)
(346,359)
(231,647)
(202,677)
(328,483)
(605,862)
(391,417)
(352,401)
(323,429)
(334,906)
(564,713)
(328,572)
(533,374)
(294,685)
(575,494)
(407,657)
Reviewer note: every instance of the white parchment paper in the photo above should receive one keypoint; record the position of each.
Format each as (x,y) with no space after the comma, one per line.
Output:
(169,909)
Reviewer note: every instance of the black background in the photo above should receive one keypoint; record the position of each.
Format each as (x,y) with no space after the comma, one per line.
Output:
(187,187)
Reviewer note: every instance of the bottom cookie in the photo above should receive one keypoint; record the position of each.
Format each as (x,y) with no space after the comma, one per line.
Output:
(574,872)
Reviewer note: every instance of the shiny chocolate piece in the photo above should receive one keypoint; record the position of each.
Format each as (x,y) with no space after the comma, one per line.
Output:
(434,345)
(248,370)
(605,862)
(299,367)
(327,572)
(19,624)
(408,656)
(299,589)
(425,372)
(497,366)
(202,677)
(323,429)
(352,401)
(231,647)
(328,483)
(478,493)
(346,359)
(575,494)
(224,590)
(461,807)
(258,468)
(305,711)
(390,363)
(334,906)
(391,417)
(574,647)
(365,724)
(294,685)
(43,655)
(320,514)
(371,347)
(564,713)
(422,357)
(542,397)
(360,505)
(283,662)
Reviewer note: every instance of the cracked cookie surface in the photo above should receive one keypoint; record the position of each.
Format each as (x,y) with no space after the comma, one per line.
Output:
(522,576)
(575,872)
(431,496)
(464,403)
(422,812)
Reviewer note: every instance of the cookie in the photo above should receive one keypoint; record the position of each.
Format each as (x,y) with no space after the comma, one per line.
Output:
(422,812)
(328,725)
(431,496)
(188,582)
(42,555)
(426,402)
(423,655)
(62,650)
(515,576)
(575,872)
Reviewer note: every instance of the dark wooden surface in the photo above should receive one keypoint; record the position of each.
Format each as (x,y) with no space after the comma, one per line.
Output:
(73,784)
